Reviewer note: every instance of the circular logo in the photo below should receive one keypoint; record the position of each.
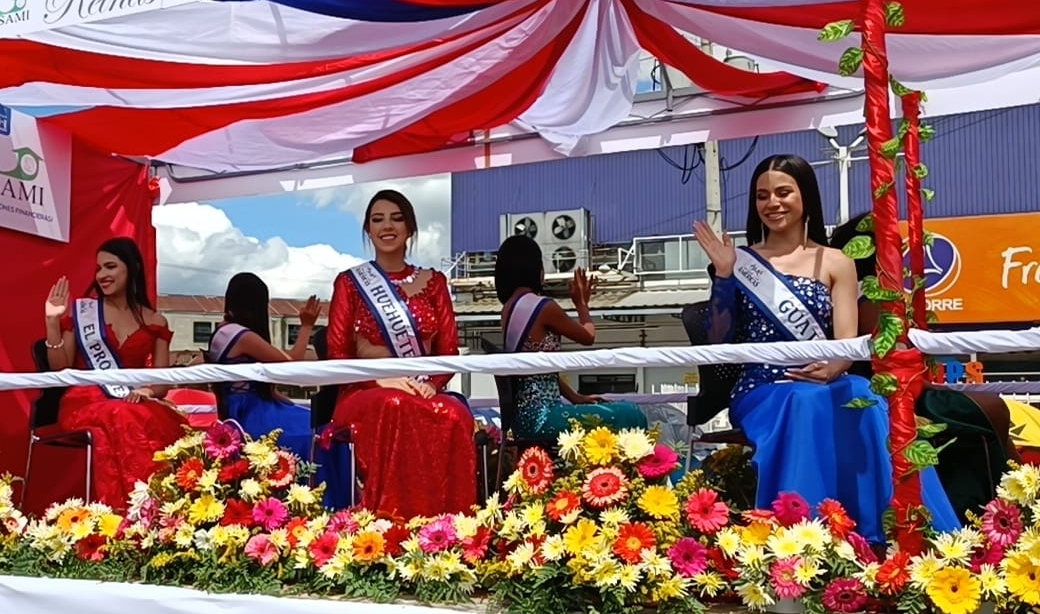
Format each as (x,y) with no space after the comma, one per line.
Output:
(28,164)
(942,265)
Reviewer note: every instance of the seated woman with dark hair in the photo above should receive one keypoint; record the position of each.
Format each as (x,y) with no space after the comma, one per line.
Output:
(535,323)
(973,464)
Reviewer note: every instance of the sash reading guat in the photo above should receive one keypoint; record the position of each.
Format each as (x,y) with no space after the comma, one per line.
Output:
(93,342)
(394,320)
(521,320)
(775,297)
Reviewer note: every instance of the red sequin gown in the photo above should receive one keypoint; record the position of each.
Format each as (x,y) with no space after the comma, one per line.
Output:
(416,456)
(126,435)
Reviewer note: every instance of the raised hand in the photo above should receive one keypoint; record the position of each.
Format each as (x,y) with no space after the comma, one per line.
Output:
(311,311)
(721,252)
(580,287)
(58,300)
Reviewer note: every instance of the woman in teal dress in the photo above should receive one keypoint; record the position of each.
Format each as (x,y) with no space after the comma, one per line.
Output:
(535,323)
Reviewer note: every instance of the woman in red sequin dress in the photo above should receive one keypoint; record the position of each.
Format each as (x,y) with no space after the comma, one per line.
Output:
(414,443)
(118,327)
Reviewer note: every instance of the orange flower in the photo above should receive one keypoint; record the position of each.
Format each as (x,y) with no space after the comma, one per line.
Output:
(837,518)
(189,472)
(72,517)
(368,547)
(632,539)
(296,529)
(564,503)
(893,574)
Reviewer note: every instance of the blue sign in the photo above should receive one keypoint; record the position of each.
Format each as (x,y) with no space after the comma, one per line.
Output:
(5,121)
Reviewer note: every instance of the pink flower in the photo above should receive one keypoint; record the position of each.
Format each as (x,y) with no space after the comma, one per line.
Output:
(270,514)
(689,557)
(989,554)
(705,512)
(785,583)
(864,552)
(663,461)
(343,522)
(1002,522)
(790,508)
(222,441)
(846,595)
(438,536)
(323,548)
(260,549)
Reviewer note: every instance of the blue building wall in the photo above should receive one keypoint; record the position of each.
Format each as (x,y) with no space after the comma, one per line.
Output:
(979,163)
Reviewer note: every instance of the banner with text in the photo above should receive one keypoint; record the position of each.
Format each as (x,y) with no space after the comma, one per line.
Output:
(983,269)
(20,17)
(35,176)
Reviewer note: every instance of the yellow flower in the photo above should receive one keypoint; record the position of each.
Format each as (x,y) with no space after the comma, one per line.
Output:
(580,537)
(532,515)
(368,547)
(955,591)
(953,547)
(629,578)
(208,480)
(553,548)
(69,518)
(1023,577)
(569,443)
(108,524)
(520,558)
(669,589)
(923,568)
(756,533)
(300,495)
(811,535)
(993,586)
(754,596)
(659,502)
(728,540)
(466,526)
(709,583)
(634,444)
(600,446)
(783,544)
(206,508)
(613,517)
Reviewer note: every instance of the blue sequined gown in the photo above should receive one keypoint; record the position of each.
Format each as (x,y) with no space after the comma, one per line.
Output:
(805,440)
(542,415)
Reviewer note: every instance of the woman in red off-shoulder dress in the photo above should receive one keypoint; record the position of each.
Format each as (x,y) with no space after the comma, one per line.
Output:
(414,443)
(127,425)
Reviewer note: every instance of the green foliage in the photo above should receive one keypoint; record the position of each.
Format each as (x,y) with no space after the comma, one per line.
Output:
(859,247)
(836,30)
(882,189)
(930,429)
(895,17)
(922,454)
(873,291)
(891,147)
(920,171)
(861,403)
(851,60)
(926,133)
(928,194)
(890,329)
(866,224)
(929,238)
(884,384)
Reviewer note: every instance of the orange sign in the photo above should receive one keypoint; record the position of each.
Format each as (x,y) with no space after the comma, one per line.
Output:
(983,269)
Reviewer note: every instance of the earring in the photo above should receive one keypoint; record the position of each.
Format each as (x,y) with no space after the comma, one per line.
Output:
(805,234)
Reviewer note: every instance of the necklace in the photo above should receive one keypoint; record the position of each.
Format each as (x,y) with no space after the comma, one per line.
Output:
(404,280)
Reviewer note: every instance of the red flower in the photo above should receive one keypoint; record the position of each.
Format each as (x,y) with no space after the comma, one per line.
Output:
(393,538)
(562,504)
(237,512)
(323,548)
(474,548)
(836,517)
(234,471)
(536,470)
(285,473)
(92,548)
(894,574)
(294,529)
(604,487)
(632,539)
(189,472)
(846,595)
(723,565)
(705,512)
(790,508)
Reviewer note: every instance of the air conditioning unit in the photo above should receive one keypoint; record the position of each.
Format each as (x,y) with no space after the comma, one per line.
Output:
(529,224)
(565,246)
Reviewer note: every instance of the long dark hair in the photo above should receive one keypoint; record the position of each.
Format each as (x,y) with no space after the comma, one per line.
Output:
(518,265)
(406,207)
(847,232)
(812,205)
(247,303)
(127,251)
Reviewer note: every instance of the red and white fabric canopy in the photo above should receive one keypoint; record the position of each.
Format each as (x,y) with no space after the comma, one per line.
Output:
(252,85)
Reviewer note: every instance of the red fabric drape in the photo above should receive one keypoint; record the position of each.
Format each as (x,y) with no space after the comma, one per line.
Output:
(110,197)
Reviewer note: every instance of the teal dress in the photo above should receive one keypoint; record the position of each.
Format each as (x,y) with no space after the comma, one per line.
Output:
(543,414)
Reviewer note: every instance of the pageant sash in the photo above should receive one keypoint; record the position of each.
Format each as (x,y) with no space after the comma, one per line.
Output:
(94,344)
(521,320)
(390,311)
(223,340)
(775,297)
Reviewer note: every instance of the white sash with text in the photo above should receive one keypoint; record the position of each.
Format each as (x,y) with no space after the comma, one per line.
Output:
(93,342)
(774,297)
(390,311)
(521,320)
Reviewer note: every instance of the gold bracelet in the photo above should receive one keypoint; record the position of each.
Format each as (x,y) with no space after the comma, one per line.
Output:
(56,346)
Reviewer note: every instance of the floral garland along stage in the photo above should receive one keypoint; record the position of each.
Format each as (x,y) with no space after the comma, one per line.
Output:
(600,527)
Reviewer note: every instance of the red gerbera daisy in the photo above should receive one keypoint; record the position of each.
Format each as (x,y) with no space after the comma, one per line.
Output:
(837,519)
(536,470)
(285,473)
(562,504)
(632,539)
(605,486)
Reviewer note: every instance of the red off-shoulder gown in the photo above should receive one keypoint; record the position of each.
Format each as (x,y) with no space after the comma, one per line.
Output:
(416,456)
(126,435)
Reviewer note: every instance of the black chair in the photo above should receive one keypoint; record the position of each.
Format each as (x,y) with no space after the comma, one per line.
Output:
(715,387)
(44,430)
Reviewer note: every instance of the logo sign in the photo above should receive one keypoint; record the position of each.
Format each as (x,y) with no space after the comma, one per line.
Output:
(19,17)
(5,121)
(954,372)
(982,269)
(35,178)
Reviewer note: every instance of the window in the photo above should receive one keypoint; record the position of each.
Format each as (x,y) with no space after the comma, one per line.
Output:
(201,331)
(292,334)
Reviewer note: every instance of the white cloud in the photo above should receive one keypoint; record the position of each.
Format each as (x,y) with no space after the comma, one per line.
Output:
(200,249)
(431,197)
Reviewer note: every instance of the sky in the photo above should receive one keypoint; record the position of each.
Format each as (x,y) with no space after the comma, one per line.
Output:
(297,242)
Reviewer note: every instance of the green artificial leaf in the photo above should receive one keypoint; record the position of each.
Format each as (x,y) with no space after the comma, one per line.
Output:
(884,384)
(836,30)
(920,171)
(904,126)
(850,61)
(928,194)
(899,90)
(926,133)
(890,329)
(931,317)
(921,455)
(859,247)
(927,431)
(882,190)
(918,283)
(863,403)
(873,291)
(894,15)
(866,224)
(890,148)
(928,238)
(888,520)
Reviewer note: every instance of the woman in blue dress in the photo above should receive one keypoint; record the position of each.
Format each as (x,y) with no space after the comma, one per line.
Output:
(789,286)
(535,323)
(245,337)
